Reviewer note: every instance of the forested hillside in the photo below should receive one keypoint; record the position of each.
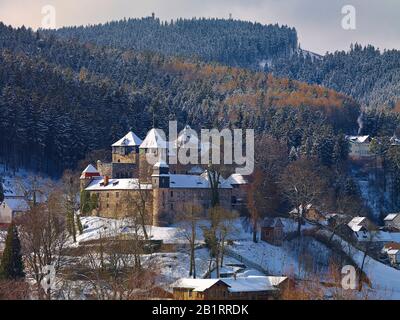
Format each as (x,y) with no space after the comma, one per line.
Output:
(61,99)
(230,42)
(368,75)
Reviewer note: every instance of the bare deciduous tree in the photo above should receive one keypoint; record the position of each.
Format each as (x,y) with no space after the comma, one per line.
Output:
(138,205)
(189,222)
(43,238)
(303,183)
(221,226)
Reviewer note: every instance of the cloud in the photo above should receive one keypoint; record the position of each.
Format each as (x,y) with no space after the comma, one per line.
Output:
(318,22)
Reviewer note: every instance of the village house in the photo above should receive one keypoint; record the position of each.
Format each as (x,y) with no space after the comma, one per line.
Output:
(392,221)
(394,257)
(10,208)
(167,190)
(239,190)
(310,213)
(359,147)
(392,250)
(272,231)
(248,288)
(361,228)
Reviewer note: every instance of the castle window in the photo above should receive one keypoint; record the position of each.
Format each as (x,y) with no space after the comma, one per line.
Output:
(107,205)
(108,195)
(117,194)
(172,194)
(172,206)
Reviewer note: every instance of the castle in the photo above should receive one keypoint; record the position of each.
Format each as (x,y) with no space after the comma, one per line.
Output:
(166,189)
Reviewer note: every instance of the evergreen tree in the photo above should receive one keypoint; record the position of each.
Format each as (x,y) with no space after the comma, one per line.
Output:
(79,224)
(1,190)
(12,267)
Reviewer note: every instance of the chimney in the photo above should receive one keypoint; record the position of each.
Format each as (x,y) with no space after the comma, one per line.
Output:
(106,180)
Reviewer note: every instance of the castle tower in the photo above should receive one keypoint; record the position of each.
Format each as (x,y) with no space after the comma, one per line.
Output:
(160,183)
(126,150)
(87,176)
(154,146)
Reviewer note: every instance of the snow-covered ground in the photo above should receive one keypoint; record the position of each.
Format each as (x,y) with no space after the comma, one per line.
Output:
(385,279)
(96,227)
(3,235)
(17,183)
(173,266)
(299,257)
(292,258)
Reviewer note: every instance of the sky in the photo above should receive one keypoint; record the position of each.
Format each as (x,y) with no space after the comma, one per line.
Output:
(318,22)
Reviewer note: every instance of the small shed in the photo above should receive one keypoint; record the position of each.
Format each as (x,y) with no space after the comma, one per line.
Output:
(393,221)
(394,257)
(11,208)
(272,231)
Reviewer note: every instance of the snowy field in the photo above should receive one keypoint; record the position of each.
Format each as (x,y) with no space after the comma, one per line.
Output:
(96,227)
(292,258)
(173,266)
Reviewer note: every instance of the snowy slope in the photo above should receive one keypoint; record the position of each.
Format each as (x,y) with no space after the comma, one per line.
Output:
(385,279)
(16,184)
(299,257)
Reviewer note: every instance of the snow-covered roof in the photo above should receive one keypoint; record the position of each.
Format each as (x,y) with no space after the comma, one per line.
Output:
(161,164)
(237,179)
(90,169)
(357,220)
(177,181)
(187,137)
(182,181)
(393,252)
(154,140)
(16,204)
(356,227)
(245,284)
(197,285)
(196,170)
(253,284)
(129,140)
(354,224)
(117,184)
(391,217)
(391,246)
(358,139)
